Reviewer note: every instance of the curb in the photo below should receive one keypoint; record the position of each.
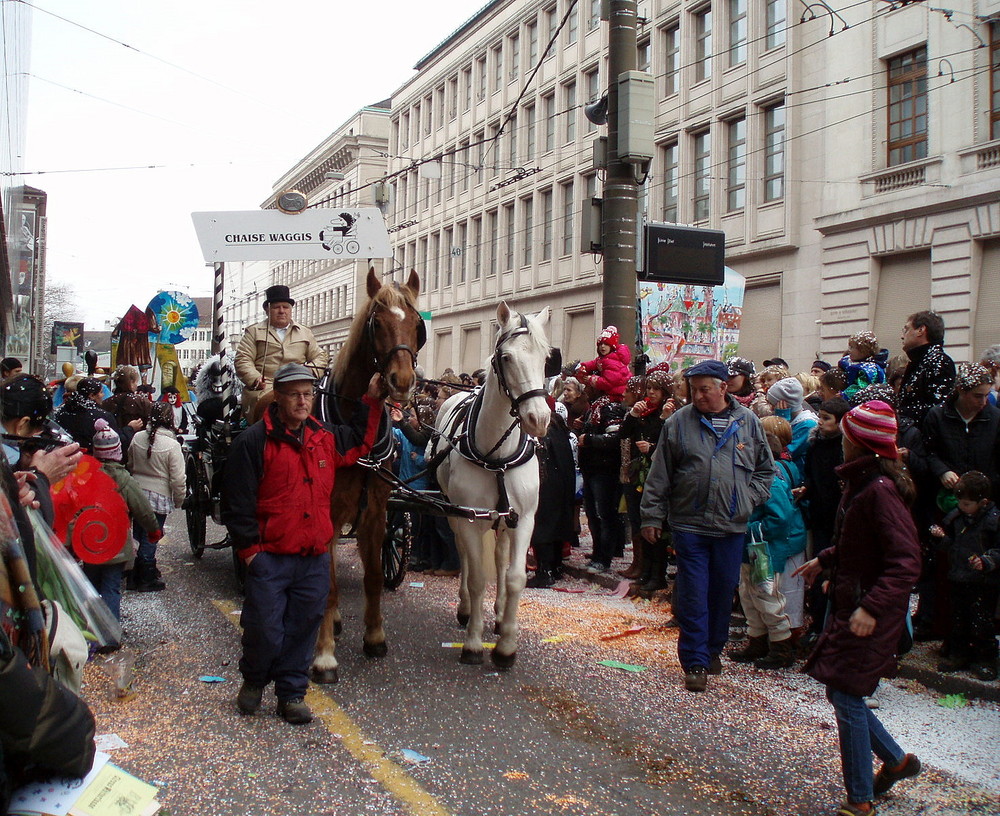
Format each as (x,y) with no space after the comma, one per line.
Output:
(944,683)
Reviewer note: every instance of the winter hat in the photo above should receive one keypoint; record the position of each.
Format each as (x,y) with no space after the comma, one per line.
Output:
(660,379)
(708,368)
(790,390)
(609,336)
(872,426)
(107,446)
(741,365)
(821,364)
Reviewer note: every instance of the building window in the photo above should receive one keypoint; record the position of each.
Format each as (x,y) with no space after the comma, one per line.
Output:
(593,80)
(447,248)
(908,107)
(532,30)
(776,18)
(510,232)
(515,57)
(774,152)
(528,237)
(529,133)
(467,89)
(462,248)
(428,110)
(703,45)
(477,248)
(643,55)
(995,81)
(422,258)
(439,96)
(453,97)
(736,167)
(671,175)
(481,78)
(573,26)
(512,143)
(702,175)
(567,217)
(492,238)
(497,67)
(549,108)
(435,260)
(569,97)
(547,215)
(671,59)
(594,15)
(551,26)
(737,32)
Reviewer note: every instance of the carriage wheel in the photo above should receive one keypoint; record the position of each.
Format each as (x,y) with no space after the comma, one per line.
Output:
(239,570)
(396,549)
(196,503)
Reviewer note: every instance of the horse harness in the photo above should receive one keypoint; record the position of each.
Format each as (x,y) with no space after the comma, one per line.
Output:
(459,433)
(382,363)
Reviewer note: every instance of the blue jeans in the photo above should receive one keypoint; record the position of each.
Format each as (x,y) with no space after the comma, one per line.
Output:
(708,571)
(145,551)
(601,494)
(282,610)
(107,580)
(861,733)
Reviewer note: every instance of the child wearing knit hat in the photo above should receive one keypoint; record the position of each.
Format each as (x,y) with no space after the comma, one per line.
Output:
(107,577)
(608,373)
(864,364)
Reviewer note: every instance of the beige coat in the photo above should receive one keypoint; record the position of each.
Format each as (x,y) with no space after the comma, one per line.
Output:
(261,354)
(163,470)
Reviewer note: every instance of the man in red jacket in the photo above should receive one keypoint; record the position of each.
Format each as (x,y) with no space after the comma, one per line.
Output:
(277,487)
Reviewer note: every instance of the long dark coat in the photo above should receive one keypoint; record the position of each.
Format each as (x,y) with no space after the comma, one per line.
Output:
(556,508)
(875,561)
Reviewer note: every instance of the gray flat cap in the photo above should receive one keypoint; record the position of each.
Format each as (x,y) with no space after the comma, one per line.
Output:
(293,372)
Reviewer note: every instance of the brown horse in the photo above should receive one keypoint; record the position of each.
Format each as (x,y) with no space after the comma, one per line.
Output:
(384,337)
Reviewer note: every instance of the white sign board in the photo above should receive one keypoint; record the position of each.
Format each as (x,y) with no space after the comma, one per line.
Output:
(312,235)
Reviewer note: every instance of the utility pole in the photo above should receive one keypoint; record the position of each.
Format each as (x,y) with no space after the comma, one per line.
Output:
(619,228)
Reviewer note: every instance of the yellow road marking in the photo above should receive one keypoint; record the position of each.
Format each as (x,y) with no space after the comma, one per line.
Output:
(387,773)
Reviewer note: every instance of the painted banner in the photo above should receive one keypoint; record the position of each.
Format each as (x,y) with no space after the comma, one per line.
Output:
(681,324)
(67,334)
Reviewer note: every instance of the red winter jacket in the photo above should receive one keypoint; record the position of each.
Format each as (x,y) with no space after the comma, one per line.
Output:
(276,496)
(610,373)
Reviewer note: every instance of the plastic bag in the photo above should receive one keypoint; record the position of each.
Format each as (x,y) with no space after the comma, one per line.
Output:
(761,569)
(62,580)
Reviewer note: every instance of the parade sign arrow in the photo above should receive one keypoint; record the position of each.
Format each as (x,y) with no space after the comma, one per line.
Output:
(312,235)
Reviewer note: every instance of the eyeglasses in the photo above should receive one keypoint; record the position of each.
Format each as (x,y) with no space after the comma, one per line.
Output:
(300,396)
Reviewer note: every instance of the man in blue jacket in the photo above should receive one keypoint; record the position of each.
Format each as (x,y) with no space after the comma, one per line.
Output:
(711,468)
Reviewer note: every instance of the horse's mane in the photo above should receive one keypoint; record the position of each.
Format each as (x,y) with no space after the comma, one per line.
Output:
(391,296)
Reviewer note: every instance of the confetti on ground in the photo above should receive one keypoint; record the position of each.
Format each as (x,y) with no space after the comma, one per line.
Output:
(953,701)
(556,638)
(622,589)
(614,664)
(109,742)
(416,584)
(569,589)
(635,630)
(211,678)
(516,775)
(414,757)
(454,645)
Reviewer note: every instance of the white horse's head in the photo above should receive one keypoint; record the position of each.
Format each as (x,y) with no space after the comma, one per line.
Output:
(519,364)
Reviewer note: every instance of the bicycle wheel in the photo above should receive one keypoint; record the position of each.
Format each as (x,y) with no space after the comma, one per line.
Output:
(396,549)
(196,504)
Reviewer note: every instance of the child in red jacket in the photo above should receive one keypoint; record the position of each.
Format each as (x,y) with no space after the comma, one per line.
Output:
(609,372)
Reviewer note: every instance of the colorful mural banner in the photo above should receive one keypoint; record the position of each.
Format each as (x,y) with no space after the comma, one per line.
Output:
(682,324)
(67,334)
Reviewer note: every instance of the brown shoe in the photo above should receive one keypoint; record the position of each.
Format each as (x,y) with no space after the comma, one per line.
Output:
(248,700)
(696,678)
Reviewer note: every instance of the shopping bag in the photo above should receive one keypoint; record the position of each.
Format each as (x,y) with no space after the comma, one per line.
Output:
(761,569)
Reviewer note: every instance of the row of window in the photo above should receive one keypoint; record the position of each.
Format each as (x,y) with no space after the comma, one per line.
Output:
(504,62)
(539,227)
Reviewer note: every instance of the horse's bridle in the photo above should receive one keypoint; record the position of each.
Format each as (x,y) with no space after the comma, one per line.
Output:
(515,401)
(381,364)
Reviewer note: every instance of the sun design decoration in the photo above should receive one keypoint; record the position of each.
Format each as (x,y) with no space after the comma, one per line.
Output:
(177,315)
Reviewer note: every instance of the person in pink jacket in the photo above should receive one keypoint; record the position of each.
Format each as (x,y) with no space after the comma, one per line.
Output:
(609,372)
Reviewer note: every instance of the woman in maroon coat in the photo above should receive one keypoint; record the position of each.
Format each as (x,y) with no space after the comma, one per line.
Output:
(875,560)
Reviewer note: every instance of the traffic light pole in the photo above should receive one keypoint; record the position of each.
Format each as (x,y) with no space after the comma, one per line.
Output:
(619,226)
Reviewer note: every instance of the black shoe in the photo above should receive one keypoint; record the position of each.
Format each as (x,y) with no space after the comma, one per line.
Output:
(654,584)
(248,700)
(953,663)
(715,665)
(696,678)
(295,711)
(984,671)
(542,579)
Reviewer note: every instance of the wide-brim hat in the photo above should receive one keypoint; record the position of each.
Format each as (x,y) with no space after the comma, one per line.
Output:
(277,294)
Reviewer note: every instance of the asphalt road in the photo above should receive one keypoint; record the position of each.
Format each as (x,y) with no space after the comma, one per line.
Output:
(417,732)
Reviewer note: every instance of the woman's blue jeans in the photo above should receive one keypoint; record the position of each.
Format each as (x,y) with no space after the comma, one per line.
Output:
(861,733)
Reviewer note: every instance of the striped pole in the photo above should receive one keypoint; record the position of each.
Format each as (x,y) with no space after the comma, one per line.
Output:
(230,405)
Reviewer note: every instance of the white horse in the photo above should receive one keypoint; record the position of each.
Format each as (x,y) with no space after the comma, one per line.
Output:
(492,464)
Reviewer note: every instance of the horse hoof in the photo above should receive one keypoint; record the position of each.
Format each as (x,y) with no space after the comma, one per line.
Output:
(471,658)
(502,661)
(375,649)
(338,627)
(463,619)
(325,676)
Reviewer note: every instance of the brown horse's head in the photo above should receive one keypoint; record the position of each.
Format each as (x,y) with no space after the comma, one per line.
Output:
(385,337)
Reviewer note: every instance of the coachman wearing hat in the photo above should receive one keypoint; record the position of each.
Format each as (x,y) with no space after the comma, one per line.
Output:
(272,343)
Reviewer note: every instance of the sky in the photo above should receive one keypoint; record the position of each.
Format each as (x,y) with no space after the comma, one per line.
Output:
(213,99)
